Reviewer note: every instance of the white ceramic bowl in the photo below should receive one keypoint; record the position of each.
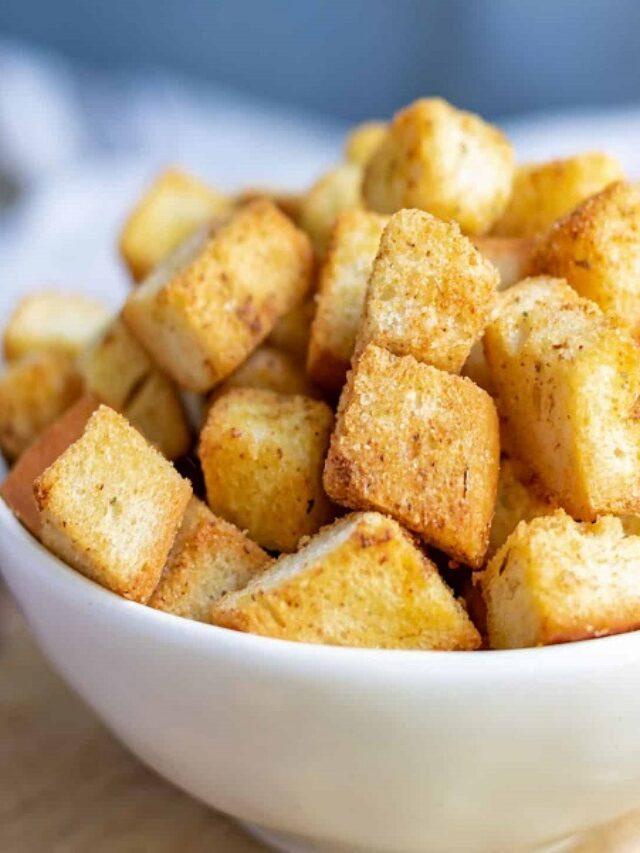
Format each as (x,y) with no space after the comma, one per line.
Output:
(329,749)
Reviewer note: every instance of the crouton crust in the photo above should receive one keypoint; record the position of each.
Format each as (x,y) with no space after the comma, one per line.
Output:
(291,332)
(556,580)
(359,582)
(337,190)
(421,445)
(363,140)
(430,292)
(209,558)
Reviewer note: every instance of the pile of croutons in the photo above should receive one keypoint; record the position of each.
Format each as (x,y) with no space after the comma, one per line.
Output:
(400,410)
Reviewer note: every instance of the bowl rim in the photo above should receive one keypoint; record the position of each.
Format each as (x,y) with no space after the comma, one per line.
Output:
(561,657)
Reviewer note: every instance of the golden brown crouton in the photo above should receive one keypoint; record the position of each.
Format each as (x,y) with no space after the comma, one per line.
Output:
(421,445)
(343,283)
(53,321)
(543,192)
(360,582)
(111,506)
(17,489)
(596,248)
(430,292)
(34,392)
(209,306)
(520,498)
(337,190)
(510,255)
(363,141)
(272,370)
(117,371)
(290,203)
(442,160)
(556,580)
(262,455)
(209,558)
(568,382)
(291,332)
(172,208)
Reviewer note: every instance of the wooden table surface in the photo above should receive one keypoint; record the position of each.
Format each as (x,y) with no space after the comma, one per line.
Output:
(66,786)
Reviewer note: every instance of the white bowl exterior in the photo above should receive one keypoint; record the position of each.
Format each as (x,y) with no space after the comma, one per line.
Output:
(361,750)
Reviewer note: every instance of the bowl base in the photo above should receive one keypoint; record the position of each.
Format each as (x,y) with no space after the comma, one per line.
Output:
(286,843)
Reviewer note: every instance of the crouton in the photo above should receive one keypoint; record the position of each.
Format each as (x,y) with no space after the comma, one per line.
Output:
(111,505)
(511,256)
(117,371)
(52,321)
(421,445)
(172,208)
(556,580)
(596,248)
(363,140)
(209,558)
(291,332)
(360,582)
(568,382)
(262,455)
(272,370)
(290,203)
(430,292)
(520,498)
(33,393)
(215,300)
(337,190)
(17,489)
(543,192)
(442,160)
(343,283)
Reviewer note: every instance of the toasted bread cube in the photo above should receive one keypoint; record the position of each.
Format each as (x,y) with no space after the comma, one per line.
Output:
(596,248)
(543,192)
(421,445)
(209,558)
(111,506)
(262,455)
(290,203)
(209,306)
(442,160)
(430,292)
(34,392)
(291,332)
(511,256)
(363,141)
(342,287)
(520,498)
(117,370)
(360,582)
(17,489)
(337,190)
(556,580)
(272,370)
(568,382)
(172,209)
(53,321)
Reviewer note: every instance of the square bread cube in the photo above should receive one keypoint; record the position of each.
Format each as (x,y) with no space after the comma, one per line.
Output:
(556,580)
(34,392)
(203,311)
(363,140)
(290,203)
(360,582)
(157,411)
(543,192)
(262,455)
(511,256)
(344,276)
(445,161)
(171,209)
(596,248)
(568,384)
(53,321)
(337,190)
(272,370)
(421,445)
(209,558)
(291,332)
(17,489)
(111,506)
(430,292)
